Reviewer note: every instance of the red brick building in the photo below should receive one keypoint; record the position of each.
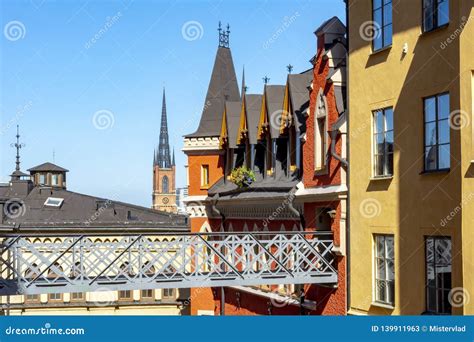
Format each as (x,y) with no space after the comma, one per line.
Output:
(292,138)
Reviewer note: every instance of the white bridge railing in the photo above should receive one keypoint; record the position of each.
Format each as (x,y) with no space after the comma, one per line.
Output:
(32,264)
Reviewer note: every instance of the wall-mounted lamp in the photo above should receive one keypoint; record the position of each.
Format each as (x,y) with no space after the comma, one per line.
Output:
(332,214)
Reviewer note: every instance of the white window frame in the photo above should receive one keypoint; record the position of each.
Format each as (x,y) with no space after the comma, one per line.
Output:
(48,203)
(387,278)
(320,133)
(205,179)
(385,131)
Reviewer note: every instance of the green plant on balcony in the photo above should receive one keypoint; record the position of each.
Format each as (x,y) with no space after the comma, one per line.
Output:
(242,176)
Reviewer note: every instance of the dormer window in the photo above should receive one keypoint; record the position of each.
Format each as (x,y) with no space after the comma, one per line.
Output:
(54,202)
(42,178)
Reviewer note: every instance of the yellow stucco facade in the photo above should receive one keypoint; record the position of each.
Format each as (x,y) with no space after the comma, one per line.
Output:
(411,205)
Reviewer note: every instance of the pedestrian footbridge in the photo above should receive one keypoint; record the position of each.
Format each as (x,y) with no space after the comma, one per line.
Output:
(34,264)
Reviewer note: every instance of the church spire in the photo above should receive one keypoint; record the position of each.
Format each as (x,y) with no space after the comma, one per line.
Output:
(173,161)
(164,158)
(244,87)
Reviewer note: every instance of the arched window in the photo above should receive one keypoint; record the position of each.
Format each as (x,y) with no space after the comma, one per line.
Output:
(320,132)
(165,185)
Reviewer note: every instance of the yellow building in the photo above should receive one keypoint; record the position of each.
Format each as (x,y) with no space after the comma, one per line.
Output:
(411,156)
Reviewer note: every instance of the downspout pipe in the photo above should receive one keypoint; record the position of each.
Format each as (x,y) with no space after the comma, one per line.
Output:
(215,199)
(333,149)
(295,211)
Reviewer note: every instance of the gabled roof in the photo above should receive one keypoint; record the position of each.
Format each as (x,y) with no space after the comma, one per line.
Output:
(82,212)
(222,87)
(253,106)
(232,112)
(47,167)
(275,95)
(331,26)
(299,96)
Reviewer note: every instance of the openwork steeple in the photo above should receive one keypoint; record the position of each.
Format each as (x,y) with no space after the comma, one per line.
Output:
(223,35)
(163,159)
(18,147)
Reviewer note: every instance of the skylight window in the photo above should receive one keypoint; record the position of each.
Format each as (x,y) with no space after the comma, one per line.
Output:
(54,202)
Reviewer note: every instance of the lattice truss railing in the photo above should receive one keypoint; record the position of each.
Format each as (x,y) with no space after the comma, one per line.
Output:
(33,265)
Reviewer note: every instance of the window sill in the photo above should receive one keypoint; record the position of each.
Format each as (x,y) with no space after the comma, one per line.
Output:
(440,171)
(204,187)
(381,178)
(436,29)
(383,305)
(387,48)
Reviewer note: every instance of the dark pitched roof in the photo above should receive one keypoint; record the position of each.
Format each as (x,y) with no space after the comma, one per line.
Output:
(333,26)
(299,96)
(275,95)
(253,105)
(222,87)
(83,212)
(47,167)
(232,110)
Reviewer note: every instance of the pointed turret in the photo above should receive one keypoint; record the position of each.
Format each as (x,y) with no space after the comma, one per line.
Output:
(164,157)
(223,87)
(173,163)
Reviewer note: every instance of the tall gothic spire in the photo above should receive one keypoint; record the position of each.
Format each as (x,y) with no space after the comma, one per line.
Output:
(18,146)
(164,157)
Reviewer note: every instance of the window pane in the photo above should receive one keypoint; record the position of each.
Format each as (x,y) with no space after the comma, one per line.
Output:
(378,17)
(443,132)
(389,141)
(389,247)
(380,246)
(430,109)
(444,156)
(390,270)
(377,4)
(428,10)
(443,107)
(391,292)
(381,269)
(387,14)
(443,12)
(431,157)
(380,291)
(389,164)
(377,42)
(379,165)
(430,134)
(429,250)
(387,35)
(379,122)
(431,299)
(389,119)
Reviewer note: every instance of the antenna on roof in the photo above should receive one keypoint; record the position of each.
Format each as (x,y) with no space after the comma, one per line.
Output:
(266,79)
(224,36)
(54,156)
(289,67)
(18,146)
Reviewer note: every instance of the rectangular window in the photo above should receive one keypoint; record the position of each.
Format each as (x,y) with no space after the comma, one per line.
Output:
(32,298)
(54,297)
(204,175)
(168,294)
(435,14)
(54,180)
(42,178)
(438,274)
(147,294)
(383,142)
(382,24)
(77,296)
(384,269)
(437,140)
(125,295)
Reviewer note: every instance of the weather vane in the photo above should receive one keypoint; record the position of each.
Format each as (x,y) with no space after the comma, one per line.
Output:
(18,146)
(289,67)
(266,79)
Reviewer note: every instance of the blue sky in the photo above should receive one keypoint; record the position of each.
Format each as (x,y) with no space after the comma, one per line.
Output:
(61,62)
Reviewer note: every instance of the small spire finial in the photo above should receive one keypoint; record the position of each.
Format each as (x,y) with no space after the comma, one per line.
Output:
(223,36)
(289,67)
(266,79)
(18,146)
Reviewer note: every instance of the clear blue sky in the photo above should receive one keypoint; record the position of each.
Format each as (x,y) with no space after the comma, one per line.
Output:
(54,77)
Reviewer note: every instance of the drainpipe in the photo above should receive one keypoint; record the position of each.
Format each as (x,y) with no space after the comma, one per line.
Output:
(215,199)
(333,149)
(295,211)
